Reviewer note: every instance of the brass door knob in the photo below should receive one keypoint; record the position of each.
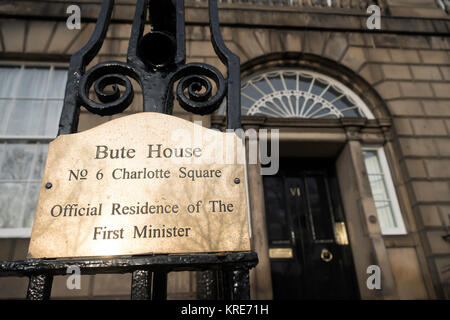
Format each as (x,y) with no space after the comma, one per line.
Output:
(326,255)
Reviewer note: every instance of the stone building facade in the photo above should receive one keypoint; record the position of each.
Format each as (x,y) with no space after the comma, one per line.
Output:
(399,77)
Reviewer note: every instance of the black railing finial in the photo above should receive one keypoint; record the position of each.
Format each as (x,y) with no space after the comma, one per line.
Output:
(156,60)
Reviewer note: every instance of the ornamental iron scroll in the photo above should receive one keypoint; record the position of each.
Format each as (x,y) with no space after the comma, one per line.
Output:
(156,61)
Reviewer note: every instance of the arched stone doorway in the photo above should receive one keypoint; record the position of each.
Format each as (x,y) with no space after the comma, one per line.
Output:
(344,122)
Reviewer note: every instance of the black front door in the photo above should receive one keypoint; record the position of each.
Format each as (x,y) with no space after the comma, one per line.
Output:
(309,251)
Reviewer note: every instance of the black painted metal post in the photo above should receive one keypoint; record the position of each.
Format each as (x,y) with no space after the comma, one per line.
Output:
(240,284)
(207,285)
(159,288)
(40,287)
(235,284)
(225,284)
(141,285)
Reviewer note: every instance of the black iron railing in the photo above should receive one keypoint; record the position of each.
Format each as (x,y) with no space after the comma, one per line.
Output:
(156,61)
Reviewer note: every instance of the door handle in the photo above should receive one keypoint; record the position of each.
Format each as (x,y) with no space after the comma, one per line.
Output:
(326,255)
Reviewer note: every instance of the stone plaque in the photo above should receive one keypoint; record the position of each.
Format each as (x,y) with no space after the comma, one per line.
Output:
(141,184)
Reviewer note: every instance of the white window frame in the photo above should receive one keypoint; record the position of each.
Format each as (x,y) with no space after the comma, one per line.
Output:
(400,229)
(25,233)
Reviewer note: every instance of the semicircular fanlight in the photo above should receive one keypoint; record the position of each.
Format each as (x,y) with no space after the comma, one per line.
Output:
(298,93)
